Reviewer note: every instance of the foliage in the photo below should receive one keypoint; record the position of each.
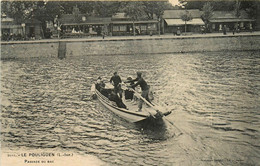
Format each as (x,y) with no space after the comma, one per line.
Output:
(134,10)
(106,9)
(221,5)
(152,8)
(237,8)
(20,10)
(207,12)
(186,16)
(250,7)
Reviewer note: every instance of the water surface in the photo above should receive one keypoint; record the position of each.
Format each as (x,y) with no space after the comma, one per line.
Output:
(215,96)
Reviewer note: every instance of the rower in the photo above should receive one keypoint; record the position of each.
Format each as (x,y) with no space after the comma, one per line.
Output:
(144,87)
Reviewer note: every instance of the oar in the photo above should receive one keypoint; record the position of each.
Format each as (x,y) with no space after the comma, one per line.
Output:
(131,89)
(156,109)
(147,102)
(151,105)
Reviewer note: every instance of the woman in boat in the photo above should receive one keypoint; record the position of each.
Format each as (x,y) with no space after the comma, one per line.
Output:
(114,97)
(128,93)
(144,87)
(100,84)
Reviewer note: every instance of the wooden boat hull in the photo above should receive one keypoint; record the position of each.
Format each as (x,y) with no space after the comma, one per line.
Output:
(129,114)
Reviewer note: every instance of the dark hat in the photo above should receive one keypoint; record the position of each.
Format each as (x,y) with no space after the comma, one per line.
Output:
(115,72)
(139,73)
(99,77)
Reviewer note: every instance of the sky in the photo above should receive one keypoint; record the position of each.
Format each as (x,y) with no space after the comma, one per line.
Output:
(174,2)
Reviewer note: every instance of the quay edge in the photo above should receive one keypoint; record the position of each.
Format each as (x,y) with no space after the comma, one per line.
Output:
(132,45)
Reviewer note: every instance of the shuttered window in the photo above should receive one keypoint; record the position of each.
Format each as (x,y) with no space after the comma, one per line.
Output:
(123,28)
(115,28)
(143,27)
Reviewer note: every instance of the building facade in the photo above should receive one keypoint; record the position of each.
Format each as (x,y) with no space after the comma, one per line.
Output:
(231,22)
(173,22)
(80,25)
(10,30)
(257,27)
(33,29)
(123,25)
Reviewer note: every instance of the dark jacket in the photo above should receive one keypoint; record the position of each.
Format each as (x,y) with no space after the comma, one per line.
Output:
(117,100)
(141,82)
(116,79)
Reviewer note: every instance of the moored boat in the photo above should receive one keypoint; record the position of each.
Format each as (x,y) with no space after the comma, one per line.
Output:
(129,109)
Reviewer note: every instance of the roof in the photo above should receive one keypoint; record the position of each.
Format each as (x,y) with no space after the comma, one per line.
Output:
(136,22)
(232,20)
(7,19)
(70,19)
(4,26)
(195,13)
(179,22)
(122,16)
(119,16)
(32,21)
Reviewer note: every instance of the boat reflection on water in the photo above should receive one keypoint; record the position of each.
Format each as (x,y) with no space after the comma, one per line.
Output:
(157,129)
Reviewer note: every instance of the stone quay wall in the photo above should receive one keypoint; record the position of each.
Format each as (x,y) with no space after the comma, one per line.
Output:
(129,46)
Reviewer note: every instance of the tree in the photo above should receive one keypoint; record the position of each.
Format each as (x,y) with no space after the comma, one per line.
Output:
(106,9)
(19,10)
(192,4)
(156,8)
(237,8)
(134,10)
(237,11)
(220,5)
(186,17)
(207,13)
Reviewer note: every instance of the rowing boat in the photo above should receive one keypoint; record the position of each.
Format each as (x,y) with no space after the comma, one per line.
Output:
(130,112)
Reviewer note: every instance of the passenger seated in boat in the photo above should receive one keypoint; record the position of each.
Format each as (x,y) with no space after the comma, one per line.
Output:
(129,94)
(114,97)
(105,92)
(100,84)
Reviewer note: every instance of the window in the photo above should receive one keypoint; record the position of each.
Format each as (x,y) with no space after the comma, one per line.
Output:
(123,28)
(151,27)
(115,28)
(213,26)
(241,24)
(143,27)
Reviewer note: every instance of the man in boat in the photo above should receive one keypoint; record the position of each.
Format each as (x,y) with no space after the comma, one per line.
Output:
(144,88)
(116,80)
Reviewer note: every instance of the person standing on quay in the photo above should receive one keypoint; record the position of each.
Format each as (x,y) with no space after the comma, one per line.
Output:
(116,80)
(144,88)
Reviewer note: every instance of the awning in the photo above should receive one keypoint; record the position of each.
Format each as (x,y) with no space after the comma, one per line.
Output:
(11,26)
(231,20)
(136,22)
(89,23)
(178,22)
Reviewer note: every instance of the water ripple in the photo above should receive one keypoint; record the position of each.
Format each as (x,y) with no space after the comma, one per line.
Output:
(46,103)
